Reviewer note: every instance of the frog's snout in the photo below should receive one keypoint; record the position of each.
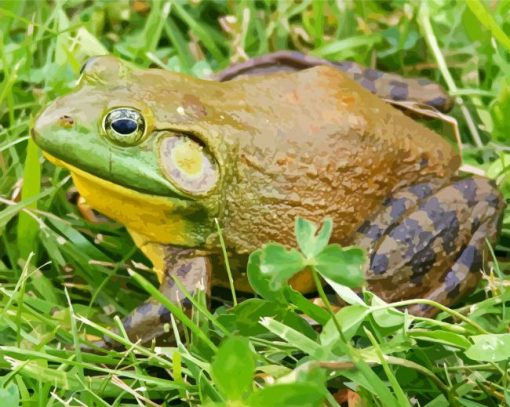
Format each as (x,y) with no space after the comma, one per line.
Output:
(51,119)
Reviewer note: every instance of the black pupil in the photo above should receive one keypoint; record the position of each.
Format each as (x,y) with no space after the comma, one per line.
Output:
(124,126)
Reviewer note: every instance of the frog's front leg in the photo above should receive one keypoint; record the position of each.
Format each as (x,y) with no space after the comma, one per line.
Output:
(429,241)
(147,321)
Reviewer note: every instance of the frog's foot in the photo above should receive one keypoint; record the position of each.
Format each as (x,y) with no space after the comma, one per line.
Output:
(429,241)
(151,320)
(385,85)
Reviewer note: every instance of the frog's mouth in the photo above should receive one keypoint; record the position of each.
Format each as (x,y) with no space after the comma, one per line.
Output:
(157,218)
(103,184)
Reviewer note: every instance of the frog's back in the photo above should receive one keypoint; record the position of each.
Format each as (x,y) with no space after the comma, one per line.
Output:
(320,145)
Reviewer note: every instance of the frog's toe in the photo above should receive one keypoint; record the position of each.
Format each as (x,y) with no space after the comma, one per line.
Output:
(433,245)
(144,324)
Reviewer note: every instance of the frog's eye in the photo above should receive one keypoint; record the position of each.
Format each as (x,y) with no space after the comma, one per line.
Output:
(124,126)
(188,165)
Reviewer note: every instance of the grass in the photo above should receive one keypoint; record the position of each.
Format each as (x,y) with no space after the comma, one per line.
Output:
(62,277)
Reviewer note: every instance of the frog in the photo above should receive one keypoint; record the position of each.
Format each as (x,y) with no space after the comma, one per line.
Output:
(285,135)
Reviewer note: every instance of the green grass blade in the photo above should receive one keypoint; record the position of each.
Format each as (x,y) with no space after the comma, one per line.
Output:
(482,14)
(28,227)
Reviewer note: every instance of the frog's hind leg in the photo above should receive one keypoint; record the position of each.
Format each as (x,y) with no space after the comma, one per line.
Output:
(429,241)
(150,320)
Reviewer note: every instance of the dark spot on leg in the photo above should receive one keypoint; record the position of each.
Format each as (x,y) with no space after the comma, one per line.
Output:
(493,200)
(369,85)
(379,263)
(421,263)
(399,90)
(475,225)
(471,258)
(441,218)
(398,207)
(186,303)
(450,233)
(478,262)
(372,74)
(411,236)
(371,231)
(183,269)
(433,209)
(164,315)
(445,223)
(468,189)
(452,285)
(170,282)
(421,190)
(406,230)
(438,102)
(145,308)
(401,232)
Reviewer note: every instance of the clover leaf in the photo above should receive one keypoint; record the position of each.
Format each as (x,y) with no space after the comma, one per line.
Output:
(271,267)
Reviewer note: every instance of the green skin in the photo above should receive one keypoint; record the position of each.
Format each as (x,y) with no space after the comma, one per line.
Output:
(309,142)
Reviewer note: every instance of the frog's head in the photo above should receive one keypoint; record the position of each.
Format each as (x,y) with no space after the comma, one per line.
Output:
(132,143)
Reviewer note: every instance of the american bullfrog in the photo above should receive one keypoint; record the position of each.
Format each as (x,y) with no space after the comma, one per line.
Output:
(166,154)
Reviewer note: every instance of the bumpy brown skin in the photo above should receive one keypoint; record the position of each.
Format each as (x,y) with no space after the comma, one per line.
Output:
(319,146)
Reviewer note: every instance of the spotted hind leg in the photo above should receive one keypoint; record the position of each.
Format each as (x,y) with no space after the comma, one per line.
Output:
(429,241)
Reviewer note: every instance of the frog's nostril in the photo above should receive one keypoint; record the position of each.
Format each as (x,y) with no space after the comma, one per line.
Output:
(66,121)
